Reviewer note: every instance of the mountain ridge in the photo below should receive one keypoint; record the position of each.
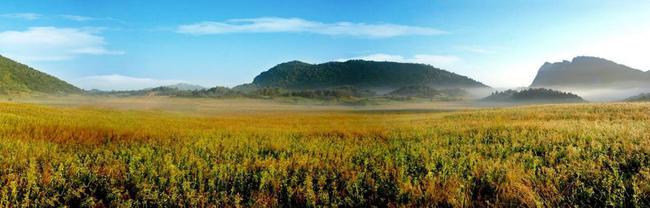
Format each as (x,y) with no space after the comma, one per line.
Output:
(360,73)
(590,72)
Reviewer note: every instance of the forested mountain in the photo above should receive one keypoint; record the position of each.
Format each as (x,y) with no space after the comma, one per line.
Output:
(590,72)
(17,78)
(533,95)
(362,74)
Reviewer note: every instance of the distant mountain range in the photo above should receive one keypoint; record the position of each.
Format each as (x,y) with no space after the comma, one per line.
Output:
(361,74)
(167,90)
(590,76)
(590,73)
(184,87)
(17,78)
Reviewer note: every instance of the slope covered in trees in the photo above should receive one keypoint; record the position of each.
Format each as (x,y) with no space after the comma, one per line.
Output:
(361,74)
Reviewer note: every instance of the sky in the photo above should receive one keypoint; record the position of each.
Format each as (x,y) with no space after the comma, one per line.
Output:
(121,44)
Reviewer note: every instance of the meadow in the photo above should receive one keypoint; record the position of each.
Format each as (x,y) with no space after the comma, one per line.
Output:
(239,154)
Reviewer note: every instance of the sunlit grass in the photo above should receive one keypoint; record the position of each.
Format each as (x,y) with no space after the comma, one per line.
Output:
(551,155)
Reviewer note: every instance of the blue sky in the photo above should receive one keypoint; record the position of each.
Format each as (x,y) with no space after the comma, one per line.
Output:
(136,44)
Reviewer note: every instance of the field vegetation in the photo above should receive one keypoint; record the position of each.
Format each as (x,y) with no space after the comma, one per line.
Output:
(593,155)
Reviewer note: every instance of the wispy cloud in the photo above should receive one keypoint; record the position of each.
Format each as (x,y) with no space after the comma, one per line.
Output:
(443,61)
(77,18)
(121,82)
(53,44)
(71,17)
(297,25)
(26,16)
(80,18)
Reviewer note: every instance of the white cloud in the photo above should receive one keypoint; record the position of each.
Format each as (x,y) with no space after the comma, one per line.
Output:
(441,61)
(53,44)
(121,82)
(77,18)
(26,16)
(297,25)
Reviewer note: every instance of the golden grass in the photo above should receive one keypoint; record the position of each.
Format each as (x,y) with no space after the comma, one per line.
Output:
(549,155)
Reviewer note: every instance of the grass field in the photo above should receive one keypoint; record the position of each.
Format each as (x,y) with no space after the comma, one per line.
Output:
(123,153)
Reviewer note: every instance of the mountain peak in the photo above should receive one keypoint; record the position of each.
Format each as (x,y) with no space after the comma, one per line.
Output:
(591,59)
(588,71)
(587,58)
(294,62)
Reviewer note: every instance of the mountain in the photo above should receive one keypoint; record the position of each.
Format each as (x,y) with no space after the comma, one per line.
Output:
(643,97)
(185,87)
(17,78)
(361,74)
(533,95)
(590,72)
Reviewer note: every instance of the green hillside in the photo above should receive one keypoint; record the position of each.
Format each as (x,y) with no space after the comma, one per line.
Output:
(17,78)
(361,74)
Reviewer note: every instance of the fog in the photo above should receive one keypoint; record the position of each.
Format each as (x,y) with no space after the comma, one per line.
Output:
(590,94)
(603,94)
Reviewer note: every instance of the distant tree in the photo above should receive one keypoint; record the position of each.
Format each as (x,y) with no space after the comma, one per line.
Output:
(533,95)
(420,91)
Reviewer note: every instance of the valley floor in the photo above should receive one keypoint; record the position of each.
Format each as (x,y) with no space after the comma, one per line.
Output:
(82,151)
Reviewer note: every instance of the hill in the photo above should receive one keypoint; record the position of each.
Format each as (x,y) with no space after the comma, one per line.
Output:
(17,78)
(643,97)
(590,72)
(362,74)
(534,95)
